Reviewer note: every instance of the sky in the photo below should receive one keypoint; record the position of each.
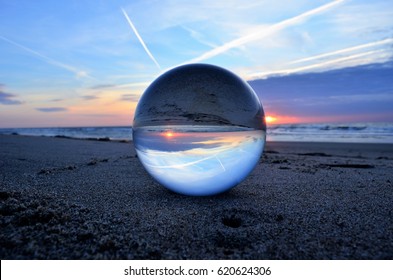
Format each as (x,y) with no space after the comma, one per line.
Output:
(86,63)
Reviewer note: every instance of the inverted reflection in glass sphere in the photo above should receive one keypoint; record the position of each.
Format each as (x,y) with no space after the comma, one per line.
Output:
(199,129)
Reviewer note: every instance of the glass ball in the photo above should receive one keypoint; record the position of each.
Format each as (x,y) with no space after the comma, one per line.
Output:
(199,129)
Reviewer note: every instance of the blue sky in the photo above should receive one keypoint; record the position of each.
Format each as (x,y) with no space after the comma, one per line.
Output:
(74,63)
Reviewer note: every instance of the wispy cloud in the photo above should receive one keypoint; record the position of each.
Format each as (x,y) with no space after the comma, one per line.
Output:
(316,100)
(264,32)
(130,97)
(103,86)
(8,99)
(126,85)
(198,36)
(89,97)
(140,39)
(79,73)
(381,97)
(56,99)
(98,115)
(52,109)
(351,60)
(133,85)
(346,50)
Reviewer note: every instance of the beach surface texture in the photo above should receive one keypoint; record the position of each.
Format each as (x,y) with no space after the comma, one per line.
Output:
(78,199)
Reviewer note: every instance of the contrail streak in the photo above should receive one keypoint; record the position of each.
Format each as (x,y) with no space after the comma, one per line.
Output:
(264,32)
(355,48)
(140,39)
(221,163)
(49,60)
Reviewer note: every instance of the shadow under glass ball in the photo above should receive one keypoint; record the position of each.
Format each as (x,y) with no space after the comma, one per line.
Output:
(199,129)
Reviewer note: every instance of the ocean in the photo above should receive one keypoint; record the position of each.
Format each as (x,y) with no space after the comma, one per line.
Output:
(328,132)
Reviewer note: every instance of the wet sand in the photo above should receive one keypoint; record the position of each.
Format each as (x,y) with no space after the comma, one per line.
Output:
(80,199)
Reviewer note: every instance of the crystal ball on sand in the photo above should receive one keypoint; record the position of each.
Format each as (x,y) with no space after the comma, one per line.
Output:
(199,129)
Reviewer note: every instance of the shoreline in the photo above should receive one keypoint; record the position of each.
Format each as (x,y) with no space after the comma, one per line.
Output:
(65,199)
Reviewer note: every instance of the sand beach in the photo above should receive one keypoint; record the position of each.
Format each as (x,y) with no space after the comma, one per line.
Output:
(78,199)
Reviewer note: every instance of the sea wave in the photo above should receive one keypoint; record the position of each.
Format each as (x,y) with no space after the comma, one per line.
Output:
(327,132)
(118,133)
(354,132)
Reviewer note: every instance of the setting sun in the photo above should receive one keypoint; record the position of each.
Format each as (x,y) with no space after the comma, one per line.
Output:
(169,134)
(270,119)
